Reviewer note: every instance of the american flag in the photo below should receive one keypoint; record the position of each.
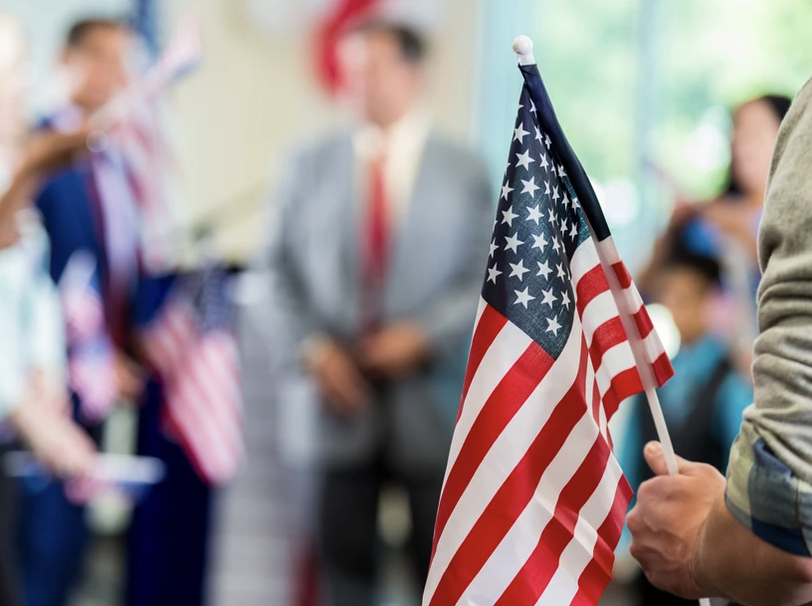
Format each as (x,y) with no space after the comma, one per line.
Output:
(192,346)
(534,501)
(136,122)
(91,355)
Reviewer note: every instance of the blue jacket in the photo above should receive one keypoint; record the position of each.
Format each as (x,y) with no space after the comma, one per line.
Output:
(71,219)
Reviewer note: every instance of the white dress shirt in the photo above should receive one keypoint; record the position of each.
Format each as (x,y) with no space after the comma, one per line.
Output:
(401,146)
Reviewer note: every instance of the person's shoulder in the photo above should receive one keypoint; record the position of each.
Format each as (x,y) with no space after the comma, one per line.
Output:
(322,146)
(455,153)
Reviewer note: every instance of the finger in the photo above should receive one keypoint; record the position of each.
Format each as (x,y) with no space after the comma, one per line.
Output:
(346,395)
(356,388)
(655,457)
(371,352)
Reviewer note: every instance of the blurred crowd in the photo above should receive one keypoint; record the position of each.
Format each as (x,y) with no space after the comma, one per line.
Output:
(375,259)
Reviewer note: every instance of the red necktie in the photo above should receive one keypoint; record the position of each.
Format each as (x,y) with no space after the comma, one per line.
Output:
(375,247)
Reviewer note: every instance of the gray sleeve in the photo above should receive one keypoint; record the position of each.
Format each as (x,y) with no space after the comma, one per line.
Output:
(770,472)
(292,318)
(449,321)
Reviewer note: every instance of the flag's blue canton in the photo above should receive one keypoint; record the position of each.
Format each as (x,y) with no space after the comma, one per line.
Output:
(539,224)
(209,293)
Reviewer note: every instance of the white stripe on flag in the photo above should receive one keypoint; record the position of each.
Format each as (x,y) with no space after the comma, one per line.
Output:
(507,347)
(583,259)
(520,542)
(601,309)
(506,452)
(614,361)
(564,584)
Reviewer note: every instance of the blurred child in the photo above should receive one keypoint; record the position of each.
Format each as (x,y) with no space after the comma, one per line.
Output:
(703,406)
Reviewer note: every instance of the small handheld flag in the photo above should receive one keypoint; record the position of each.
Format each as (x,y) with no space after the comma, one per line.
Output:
(188,338)
(534,501)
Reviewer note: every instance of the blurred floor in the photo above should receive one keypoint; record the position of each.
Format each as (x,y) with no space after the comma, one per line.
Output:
(251,564)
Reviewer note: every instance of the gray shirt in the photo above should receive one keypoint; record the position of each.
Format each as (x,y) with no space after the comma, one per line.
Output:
(770,473)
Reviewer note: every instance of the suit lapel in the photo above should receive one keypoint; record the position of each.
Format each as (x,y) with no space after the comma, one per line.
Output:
(345,219)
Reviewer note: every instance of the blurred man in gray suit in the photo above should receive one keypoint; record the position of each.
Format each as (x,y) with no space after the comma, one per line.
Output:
(377,259)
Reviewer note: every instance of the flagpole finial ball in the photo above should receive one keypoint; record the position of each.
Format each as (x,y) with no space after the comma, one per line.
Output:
(523,45)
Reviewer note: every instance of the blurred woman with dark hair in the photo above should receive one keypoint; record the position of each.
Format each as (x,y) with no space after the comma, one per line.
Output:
(755,127)
(736,212)
(726,227)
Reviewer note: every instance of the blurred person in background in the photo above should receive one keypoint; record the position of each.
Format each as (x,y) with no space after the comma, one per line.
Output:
(376,260)
(703,409)
(726,227)
(747,537)
(87,213)
(33,390)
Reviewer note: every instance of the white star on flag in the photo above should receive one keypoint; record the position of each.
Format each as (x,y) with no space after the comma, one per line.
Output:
(535,214)
(544,269)
(523,297)
(565,300)
(513,243)
(547,141)
(552,218)
(538,133)
(561,173)
(524,159)
(508,216)
(494,248)
(506,189)
(541,241)
(556,195)
(532,107)
(574,232)
(562,273)
(530,186)
(493,273)
(518,269)
(546,188)
(556,245)
(544,164)
(553,326)
(549,297)
(519,133)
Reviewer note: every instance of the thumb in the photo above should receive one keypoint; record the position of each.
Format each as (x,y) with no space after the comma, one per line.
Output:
(655,457)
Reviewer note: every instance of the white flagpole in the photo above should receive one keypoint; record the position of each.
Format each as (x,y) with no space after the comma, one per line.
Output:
(523,47)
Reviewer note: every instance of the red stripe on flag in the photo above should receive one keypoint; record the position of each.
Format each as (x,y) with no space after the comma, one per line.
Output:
(662,369)
(596,402)
(591,284)
(643,321)
(623,275)
(514,494)
(607,335)
(490,324)
(501,406)
(534,577)
(624,385)
(595,577)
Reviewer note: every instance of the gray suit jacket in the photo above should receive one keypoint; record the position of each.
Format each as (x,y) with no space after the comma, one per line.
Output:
(436,272)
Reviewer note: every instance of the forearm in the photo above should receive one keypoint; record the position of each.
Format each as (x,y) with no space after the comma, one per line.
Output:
(18,193)
(733,563)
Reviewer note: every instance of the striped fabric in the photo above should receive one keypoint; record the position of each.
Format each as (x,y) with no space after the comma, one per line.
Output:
(534,501)
(192,346)
(137,124)
(91,354)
